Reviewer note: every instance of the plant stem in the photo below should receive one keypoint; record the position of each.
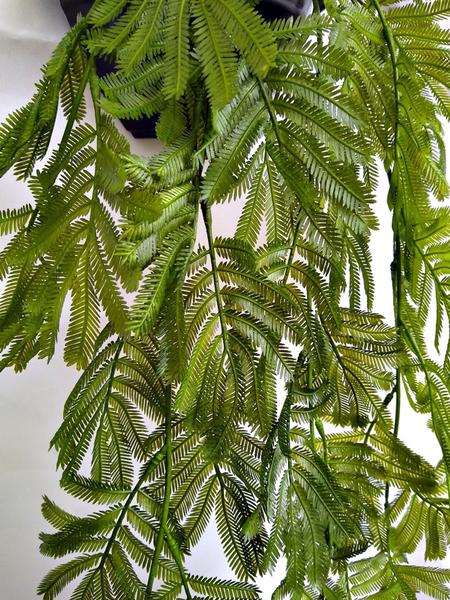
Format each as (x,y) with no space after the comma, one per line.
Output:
(397,290)
(396,221)
(312,420)
(167,494)
(273,116)
(321,431)
(151,466)
(372,424)
(347,581)
(173,546)
(341,364)
(292,249)
(112,375)
(206,212)
(393,56)
(67,130)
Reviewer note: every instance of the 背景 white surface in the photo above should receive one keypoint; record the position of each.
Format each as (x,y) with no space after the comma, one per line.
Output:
(31,403)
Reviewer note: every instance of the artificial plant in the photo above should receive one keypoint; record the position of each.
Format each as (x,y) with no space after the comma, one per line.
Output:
(178,419)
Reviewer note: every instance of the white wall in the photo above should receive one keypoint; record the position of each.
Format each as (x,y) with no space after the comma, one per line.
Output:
(31,403)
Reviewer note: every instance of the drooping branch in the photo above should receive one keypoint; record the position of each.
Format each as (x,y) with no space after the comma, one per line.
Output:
(167,494)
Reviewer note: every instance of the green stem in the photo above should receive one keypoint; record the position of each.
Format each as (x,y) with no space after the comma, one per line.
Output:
(273,116)
(223,500)
(398,291)
(342,365)
(321,432)
(167,494)
(372,424)
(397,216)
(397,294)
(292,249)
(175,551)
(206,212)
(347,581)
(316,7)
(73,115)
(316,11)
(67,130)
(312,420)
(389,37)
(151,466)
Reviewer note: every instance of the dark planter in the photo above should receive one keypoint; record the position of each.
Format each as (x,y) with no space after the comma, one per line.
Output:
(139,128)
(269,9)
(145,128)
(282,9)
(72,8)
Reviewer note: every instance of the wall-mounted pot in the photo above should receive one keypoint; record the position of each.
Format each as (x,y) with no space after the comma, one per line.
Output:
(145,127)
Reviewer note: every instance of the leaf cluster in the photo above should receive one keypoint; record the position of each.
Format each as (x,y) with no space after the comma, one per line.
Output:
(245,381)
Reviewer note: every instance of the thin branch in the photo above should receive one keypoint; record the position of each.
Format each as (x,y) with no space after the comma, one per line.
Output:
(293,247)
(272,114)
(397,215)
(175,551)
(167,494)
(152,464)
(206,212)
(67,130)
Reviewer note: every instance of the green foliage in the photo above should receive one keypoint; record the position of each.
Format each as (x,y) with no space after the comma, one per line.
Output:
(179,418)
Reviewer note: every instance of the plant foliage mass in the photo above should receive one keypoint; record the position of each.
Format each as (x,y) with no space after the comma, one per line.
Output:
(245,381)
